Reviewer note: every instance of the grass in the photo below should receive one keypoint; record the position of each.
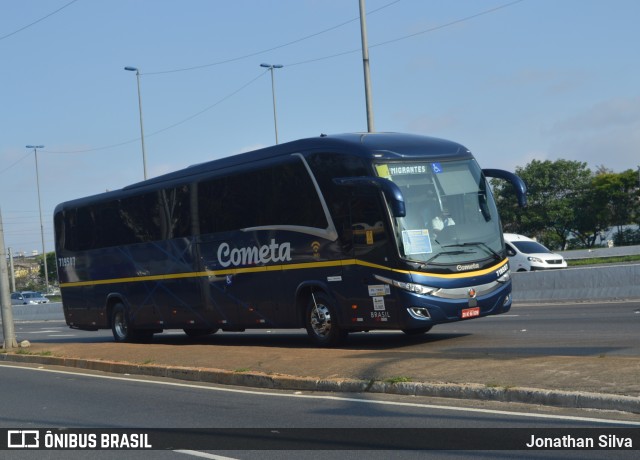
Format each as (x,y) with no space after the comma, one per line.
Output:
(497,385)
(603,260)
(25,351)
(399,379)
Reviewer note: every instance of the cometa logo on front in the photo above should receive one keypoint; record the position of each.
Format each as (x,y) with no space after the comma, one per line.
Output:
(462,268)
(254,255)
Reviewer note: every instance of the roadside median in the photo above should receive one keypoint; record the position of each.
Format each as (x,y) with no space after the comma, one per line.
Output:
(569,382)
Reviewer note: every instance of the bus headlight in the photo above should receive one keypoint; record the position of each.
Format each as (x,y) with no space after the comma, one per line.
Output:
(504,278)
(411,287)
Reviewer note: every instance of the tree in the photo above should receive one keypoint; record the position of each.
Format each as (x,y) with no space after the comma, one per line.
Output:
(593,216)
(52,270)
(554,194)
(567,203)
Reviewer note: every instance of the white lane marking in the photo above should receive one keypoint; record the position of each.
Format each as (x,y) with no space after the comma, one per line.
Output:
(44,331)
(196,453)
(337,398)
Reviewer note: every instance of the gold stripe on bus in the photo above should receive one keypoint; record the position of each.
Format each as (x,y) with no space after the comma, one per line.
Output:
(269,268)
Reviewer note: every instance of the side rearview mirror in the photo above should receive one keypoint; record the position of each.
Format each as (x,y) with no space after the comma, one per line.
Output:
(513,179)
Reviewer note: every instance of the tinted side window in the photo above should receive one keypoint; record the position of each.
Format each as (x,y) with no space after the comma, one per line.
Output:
(153,216)
(281,194)
(295,199)
(328,166)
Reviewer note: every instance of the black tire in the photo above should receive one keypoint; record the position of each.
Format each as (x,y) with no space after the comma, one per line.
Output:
(418,331)
(199,332)
(121,327)
(321,321)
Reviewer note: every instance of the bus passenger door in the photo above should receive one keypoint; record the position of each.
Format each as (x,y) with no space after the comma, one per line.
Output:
(371,302)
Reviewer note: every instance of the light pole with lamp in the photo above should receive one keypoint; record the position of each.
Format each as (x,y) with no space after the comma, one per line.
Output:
(273,93)
(144,154)
(44,252)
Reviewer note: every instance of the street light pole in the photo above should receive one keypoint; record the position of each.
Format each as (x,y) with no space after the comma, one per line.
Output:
(6,312)
(273,93)
(44,252)
(144,154)
(365,62)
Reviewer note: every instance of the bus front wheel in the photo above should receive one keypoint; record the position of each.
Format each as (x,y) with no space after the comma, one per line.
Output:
(321,321)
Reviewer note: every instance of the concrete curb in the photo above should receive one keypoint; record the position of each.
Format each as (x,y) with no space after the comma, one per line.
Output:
(556,398)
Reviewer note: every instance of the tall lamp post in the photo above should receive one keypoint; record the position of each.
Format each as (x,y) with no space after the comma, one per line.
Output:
(273,93)
(144,154)
(44,252)
(365,62)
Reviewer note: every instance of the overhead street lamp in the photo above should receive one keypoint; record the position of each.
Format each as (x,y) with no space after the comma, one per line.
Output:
(273,93)
(144,155)
(44,252)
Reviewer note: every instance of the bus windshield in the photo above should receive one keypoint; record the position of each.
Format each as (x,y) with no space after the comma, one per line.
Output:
(451,217)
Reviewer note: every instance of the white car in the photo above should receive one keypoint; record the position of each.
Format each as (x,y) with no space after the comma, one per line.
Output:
(526,254)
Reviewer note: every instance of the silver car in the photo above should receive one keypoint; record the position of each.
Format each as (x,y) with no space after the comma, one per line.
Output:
(28,298)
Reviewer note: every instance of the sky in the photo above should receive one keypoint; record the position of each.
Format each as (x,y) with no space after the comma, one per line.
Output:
(514,81)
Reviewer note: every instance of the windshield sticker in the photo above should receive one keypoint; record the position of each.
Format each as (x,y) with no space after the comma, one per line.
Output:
(416,242)
(407,169)
(383,171)
(436,168)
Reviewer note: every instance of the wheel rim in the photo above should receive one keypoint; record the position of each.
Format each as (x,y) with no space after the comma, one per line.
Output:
(120,325)
(321,320)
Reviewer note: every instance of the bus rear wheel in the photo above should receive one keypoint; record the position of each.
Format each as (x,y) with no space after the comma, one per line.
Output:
(121,327)
(321,321)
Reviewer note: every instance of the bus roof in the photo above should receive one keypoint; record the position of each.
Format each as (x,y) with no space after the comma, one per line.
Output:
(379,146)
(389,145)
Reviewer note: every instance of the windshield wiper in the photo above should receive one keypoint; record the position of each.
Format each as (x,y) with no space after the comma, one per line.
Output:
(481,244)
(447,253)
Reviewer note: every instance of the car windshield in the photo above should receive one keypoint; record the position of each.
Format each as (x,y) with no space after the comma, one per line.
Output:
(451,217)
(530,247)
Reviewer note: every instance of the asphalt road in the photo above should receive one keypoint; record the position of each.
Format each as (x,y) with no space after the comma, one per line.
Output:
(72,399)
(39,398)
(567,329)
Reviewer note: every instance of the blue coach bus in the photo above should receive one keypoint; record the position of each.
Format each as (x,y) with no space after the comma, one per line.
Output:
(335,234)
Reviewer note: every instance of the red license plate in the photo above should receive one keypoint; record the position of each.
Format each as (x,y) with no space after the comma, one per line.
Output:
(470,312)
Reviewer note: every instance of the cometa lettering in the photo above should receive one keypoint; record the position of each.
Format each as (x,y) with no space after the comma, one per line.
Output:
(254,255)
(462,268)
